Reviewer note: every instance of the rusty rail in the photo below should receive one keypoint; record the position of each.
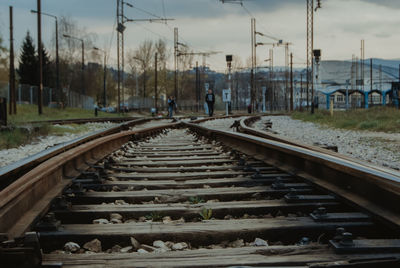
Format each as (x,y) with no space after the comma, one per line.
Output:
(376,191)
(85,120)
(9,173)
(245,128)
(26,199)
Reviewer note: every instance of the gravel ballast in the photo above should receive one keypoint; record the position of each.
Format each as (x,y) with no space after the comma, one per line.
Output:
(380,148)
(9,156)
(221,124)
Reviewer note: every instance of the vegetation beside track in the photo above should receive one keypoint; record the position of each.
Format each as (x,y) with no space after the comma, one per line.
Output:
(19,133)
(385,119)
(15,136)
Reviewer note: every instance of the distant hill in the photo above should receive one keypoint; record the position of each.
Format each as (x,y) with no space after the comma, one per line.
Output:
(386,63)
(339,72)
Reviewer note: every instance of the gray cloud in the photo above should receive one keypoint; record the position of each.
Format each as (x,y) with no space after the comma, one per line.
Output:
(383,35)
(386,3)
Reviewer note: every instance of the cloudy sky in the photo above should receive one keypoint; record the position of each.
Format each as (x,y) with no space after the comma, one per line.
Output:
(209,25)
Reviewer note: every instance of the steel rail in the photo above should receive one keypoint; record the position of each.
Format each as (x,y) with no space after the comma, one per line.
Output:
(29,197)
(374,191)
(84,120)
(9,173)
(216,118)
(245,128)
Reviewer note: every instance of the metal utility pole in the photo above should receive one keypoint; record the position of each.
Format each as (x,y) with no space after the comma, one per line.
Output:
(12,101)
(362,64)
(286,74)
(197,87)
(253,64)
(301,91)
(271,77)
(176,63)
(59,93)
(229,64)
(380,77)
(370,73)
(40,52)
(310,47)
(286,44)
(120,44)
(120,33)
(58,89)
(155,81)
(291,82)
(352,72)
(317,58)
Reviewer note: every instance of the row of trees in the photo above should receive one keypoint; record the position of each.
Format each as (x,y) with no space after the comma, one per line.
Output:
(139,79)
(142,63)
(69,63)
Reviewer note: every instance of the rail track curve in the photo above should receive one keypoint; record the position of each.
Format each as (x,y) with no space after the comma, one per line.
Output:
(182,195)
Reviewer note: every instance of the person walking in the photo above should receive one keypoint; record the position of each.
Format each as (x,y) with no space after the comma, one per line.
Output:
(210,100)
(171,106)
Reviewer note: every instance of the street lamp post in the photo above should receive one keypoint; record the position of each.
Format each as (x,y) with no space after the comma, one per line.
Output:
(40,54)
(229,64)
(105,75)
(57,58)
(83,60)
(155,81)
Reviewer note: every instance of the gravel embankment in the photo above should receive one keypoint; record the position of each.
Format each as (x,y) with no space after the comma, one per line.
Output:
(15,154)
(12,155)
(153,123)
(379,148)
(221,124)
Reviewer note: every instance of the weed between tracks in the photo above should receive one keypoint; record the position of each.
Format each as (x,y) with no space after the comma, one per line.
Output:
(383,119)
(206,213)
(196,200)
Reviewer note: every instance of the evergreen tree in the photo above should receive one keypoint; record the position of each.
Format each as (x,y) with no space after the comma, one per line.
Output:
(28,63)
(48,74)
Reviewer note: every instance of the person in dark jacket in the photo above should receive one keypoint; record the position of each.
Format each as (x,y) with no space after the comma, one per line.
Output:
(171,106)
(210,100)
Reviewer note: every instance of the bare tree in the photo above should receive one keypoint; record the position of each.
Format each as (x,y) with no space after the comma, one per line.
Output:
(3,61)
(141,58)
(70,51)
(186,81)
(163,56)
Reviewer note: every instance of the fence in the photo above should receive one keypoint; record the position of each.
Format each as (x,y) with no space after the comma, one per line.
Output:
(74,99)
(27,94)
(145,104)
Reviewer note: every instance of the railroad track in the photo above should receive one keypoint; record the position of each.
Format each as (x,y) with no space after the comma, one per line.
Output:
(181,195)
(86,120)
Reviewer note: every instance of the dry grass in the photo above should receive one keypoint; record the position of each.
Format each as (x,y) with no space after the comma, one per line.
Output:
(385,119)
